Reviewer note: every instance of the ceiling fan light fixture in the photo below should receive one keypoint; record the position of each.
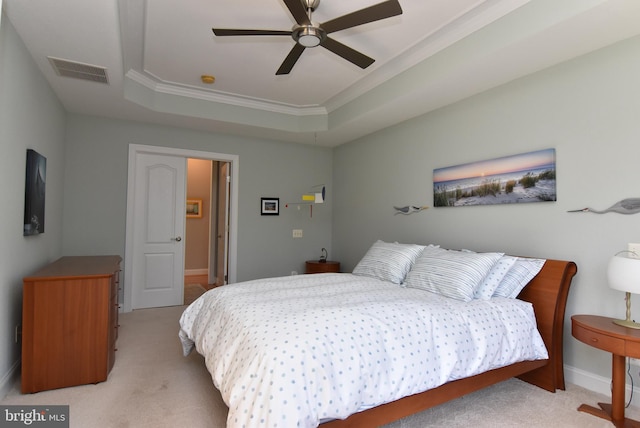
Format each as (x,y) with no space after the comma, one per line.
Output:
(308,36)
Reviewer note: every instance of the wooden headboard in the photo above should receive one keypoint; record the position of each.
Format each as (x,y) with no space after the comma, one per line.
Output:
(548,293)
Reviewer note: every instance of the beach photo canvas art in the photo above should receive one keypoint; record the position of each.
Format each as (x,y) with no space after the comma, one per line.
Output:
(527,177)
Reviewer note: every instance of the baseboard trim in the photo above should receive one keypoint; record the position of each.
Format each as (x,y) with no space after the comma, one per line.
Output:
(7,381)
(188,272)
(599,384)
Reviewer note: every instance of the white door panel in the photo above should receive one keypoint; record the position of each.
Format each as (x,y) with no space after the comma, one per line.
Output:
(158,277)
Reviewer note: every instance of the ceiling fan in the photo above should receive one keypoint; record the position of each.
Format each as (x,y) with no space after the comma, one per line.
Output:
(308,34)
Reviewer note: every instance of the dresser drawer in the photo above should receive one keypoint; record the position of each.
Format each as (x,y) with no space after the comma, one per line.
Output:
(313,266)
(598,340)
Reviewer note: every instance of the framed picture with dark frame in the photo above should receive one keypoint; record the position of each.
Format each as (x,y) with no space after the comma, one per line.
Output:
(34,194)
(269,206)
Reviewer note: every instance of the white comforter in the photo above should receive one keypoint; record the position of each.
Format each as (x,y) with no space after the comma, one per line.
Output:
(298,350)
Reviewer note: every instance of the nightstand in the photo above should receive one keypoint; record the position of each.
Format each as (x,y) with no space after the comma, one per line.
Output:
(315,266)
(602,333)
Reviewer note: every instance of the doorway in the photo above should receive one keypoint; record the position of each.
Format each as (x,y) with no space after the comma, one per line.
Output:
(207,230)
(140,269)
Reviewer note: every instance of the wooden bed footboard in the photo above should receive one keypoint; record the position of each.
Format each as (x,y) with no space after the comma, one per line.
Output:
(548,293)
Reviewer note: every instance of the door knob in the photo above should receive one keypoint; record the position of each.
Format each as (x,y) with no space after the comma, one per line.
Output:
(178,238)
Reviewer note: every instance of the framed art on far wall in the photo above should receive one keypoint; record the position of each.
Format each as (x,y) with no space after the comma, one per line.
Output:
(269,206)
(194,208)
(34,193)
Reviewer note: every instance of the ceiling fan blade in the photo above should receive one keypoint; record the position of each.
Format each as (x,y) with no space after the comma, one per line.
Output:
(352,55)
(298,11)
(291,59)
(373,13)
(239,32)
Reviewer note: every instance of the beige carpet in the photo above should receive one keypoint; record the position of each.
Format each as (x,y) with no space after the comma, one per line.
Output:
(153,385)
(192,292)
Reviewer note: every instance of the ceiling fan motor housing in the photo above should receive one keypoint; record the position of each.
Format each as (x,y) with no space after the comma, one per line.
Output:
(308,36)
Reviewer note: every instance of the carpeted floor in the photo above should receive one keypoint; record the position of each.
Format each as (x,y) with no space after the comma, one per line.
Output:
(153,385)
(192,292)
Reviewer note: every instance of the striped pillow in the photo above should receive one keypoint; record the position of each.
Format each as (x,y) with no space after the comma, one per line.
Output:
(454,274)
(388,261)
(523,271)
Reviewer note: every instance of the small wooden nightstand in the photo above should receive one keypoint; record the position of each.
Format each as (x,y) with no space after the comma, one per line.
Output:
(602,333)
(315,266)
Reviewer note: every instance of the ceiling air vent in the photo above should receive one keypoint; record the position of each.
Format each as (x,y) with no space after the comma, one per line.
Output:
(79,70)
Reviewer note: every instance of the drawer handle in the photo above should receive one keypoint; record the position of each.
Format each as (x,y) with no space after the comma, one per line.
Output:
(594,339)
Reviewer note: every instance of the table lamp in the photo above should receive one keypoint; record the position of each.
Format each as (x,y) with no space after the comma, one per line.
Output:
(624,274)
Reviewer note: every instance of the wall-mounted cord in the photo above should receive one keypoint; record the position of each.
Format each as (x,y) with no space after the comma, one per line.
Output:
(630,381)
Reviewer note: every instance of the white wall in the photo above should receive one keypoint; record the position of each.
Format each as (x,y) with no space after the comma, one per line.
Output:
(30,118)
(96,186)
(587,109)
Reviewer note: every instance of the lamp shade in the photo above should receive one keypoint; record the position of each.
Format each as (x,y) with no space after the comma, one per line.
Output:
(320,196)
(624,274)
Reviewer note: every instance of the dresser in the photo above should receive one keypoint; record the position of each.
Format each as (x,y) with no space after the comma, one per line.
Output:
(70,322)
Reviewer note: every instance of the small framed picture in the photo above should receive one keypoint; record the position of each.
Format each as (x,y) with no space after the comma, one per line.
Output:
(269,206)
(194,208)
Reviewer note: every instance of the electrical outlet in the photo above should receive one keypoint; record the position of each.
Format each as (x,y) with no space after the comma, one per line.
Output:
(297,233)
(634,248)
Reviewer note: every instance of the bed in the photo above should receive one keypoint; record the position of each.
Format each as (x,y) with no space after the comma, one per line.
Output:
(410,328)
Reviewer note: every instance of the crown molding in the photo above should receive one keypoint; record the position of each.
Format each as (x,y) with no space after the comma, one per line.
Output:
(158,96)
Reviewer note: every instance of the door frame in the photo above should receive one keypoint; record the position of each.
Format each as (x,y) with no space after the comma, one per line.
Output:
(219,224)
(134,150)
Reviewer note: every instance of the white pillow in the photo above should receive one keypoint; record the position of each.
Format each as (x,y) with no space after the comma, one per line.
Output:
(491,282)
(454,274)
(523,271)
(388,261)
